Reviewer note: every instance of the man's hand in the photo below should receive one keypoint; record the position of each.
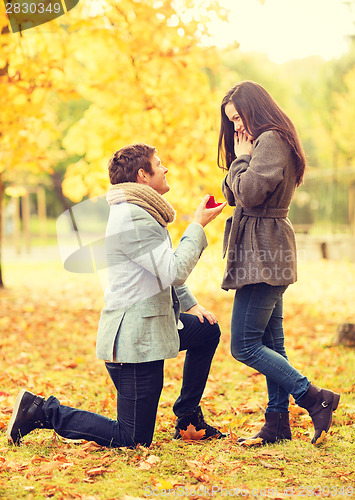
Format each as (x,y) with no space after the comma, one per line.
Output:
(204,215)
(201,312)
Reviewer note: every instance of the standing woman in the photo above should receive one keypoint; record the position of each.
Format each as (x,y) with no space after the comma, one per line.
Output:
(260,148)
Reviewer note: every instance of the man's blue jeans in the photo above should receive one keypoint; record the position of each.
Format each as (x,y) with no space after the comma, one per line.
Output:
(139,386)
(257,340)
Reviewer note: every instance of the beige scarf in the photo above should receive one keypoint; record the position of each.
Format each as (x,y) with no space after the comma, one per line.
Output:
(143,196)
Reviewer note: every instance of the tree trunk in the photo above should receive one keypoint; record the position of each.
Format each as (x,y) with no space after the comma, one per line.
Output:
(57,184)
(2,188)
(346,334)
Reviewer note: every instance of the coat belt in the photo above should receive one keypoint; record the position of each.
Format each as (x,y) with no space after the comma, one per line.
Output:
(270,213)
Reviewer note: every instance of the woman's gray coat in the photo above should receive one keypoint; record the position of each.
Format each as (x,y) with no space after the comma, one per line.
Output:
(259,240)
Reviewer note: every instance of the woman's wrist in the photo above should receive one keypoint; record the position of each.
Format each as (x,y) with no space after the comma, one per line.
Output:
(243,154)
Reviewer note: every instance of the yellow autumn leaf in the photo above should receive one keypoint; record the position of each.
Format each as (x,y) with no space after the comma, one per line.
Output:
(74,187)
(252,442)
(164,484)
(20,100)
(74,142)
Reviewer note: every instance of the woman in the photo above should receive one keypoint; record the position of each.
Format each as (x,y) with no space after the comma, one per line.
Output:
(260,148)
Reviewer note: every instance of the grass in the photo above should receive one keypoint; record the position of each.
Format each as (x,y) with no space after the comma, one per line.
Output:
(48,328)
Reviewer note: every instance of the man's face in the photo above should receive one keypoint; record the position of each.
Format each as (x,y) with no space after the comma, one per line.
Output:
(157,180)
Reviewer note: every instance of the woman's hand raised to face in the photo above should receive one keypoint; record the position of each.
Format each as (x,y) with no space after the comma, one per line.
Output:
(204,215)
(242,143)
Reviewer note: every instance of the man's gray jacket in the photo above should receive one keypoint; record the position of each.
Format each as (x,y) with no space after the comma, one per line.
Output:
(146,289)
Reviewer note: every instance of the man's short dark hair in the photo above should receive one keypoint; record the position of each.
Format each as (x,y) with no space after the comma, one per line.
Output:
(125,163)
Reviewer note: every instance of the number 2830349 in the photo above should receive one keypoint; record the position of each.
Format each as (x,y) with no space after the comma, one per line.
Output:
(33,8)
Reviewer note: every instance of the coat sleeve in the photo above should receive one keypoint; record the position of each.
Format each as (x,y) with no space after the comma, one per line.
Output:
(228,193)
(253,178)
(147,243)
(186,297)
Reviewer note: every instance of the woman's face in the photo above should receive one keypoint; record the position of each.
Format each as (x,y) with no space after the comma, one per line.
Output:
(234,117)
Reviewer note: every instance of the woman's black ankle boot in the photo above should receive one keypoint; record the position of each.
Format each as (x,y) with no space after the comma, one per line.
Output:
(276,428)
(320,404)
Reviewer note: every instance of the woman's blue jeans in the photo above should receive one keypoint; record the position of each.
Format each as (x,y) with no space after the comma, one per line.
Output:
(257,340)
(139,386)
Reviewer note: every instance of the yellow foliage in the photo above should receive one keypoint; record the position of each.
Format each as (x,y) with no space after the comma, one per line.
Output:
(31,67)
(74,184)
(20,100)
(75,142)
(147,81)
(147,77)
(3,18)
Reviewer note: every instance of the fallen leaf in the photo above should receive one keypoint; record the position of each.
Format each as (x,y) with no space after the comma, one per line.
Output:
(252,442)
(144,466)
(12,466)
(70,364)
(164,484)
(96,472)
(48,467)
(38,459)
(91,446)
(271,453)
(268,465)
(191,434)
(297,410)
(152,459)
(148,463)
(7,409)
(199,471)
(239,422)
(233,437)
(128,497)
(200,476)
(249,407)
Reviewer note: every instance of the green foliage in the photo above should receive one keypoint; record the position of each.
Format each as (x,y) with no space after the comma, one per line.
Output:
(317,95)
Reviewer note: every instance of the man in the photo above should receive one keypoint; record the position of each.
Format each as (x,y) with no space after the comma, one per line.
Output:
(141,324)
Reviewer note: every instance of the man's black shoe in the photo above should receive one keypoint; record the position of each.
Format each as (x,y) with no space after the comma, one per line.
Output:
(192,427)
(26,416)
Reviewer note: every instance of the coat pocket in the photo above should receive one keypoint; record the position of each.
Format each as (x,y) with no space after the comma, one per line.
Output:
(151,336)
(151,310)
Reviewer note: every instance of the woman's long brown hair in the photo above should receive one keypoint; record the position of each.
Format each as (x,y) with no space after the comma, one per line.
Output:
(259,113)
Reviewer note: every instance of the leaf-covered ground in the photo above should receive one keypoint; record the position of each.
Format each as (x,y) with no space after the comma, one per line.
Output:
(48,324)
